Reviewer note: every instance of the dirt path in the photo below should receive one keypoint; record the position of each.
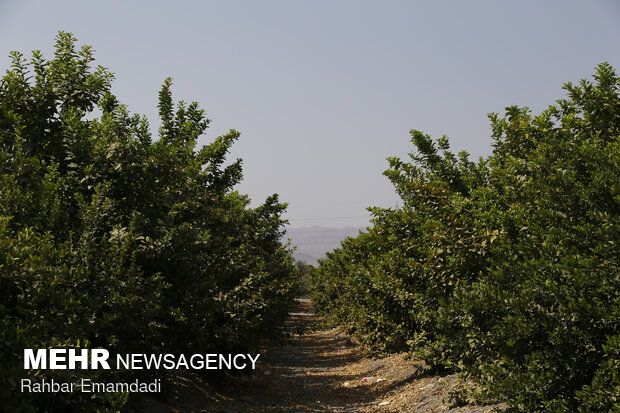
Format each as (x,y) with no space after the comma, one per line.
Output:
(323,371)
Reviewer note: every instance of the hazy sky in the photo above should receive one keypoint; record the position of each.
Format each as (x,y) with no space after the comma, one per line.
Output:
(324,91)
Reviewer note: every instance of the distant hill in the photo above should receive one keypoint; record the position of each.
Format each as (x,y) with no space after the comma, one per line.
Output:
(313,242)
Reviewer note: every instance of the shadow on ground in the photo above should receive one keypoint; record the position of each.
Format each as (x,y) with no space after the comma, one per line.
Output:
(318,371)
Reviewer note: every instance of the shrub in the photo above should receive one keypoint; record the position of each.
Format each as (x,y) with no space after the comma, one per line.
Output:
(109,238)
(506,269)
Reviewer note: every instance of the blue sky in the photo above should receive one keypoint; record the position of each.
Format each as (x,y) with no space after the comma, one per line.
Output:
(324,91)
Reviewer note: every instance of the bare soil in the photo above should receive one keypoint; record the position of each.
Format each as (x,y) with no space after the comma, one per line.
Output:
(319,371)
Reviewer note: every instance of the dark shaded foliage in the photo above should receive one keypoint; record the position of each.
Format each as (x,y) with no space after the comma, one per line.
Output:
(111,239)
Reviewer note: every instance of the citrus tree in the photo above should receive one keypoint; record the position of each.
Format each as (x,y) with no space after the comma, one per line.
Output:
(505,269)
(112,238)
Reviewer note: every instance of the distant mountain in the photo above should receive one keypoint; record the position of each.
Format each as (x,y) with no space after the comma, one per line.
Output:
(313,242)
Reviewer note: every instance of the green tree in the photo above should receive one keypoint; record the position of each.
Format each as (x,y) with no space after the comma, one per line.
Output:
(110,238)
(505,269)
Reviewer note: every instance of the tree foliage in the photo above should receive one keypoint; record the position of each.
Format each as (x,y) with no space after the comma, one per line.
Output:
(109,238)
(505,269)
